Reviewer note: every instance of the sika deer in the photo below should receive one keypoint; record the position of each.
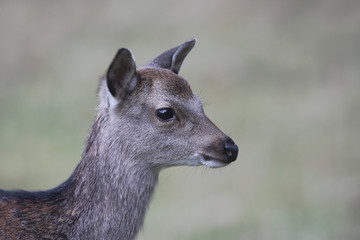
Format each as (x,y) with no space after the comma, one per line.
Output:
(147,119)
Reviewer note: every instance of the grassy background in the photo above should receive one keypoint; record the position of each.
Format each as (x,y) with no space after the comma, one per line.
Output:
(282,77)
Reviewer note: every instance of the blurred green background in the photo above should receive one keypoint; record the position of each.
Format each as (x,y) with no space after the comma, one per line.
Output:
(282,77)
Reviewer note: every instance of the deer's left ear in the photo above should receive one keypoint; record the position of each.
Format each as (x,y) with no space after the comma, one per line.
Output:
(121,76)
(173,58)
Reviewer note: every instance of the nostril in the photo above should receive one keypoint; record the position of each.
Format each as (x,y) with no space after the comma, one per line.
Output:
(231,150)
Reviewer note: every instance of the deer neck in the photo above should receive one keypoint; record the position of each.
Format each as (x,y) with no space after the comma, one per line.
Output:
(112,192)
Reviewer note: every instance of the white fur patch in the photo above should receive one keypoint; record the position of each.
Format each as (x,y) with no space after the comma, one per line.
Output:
(111,100)
(211,163)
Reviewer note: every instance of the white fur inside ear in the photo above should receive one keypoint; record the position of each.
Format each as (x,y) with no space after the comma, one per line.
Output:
(111,100)
(132,56)
(180,54)
(132,84)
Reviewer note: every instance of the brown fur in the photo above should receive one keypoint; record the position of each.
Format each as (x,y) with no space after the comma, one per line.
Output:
(166,81)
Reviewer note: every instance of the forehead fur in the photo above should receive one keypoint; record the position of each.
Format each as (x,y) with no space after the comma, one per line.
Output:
(164,80)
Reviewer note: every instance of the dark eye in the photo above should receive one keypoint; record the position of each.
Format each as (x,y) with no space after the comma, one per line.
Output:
(165,114)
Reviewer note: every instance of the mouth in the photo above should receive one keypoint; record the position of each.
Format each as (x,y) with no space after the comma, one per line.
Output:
(212,162)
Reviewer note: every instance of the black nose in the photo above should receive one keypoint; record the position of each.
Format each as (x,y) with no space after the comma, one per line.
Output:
(231,150)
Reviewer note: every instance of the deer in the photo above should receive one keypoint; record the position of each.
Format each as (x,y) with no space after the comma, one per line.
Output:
(147,119)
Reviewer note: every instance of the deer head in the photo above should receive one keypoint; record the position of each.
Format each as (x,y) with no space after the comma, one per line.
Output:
(155,120)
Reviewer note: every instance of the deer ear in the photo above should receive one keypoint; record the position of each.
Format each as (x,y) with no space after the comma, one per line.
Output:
(121,76)
(173,58)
